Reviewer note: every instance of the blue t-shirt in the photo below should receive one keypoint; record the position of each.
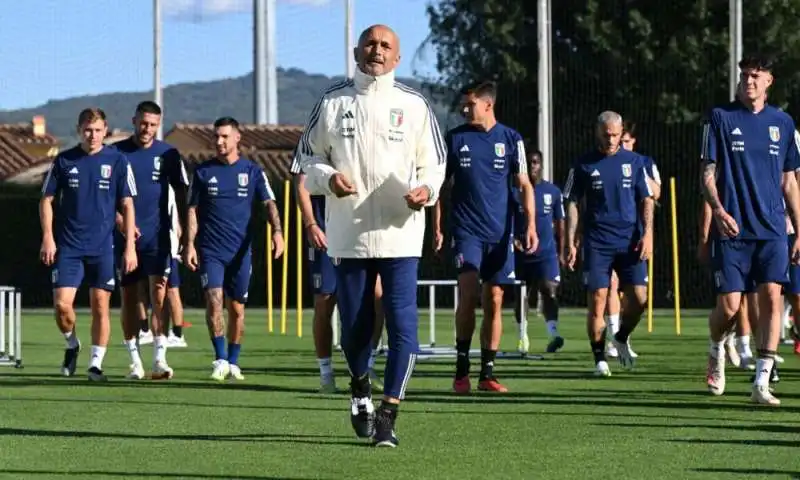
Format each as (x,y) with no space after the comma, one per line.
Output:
(224,195)
(156,169)
(549,208)
(87,191)
(612,187)
(483,165)
(751,151)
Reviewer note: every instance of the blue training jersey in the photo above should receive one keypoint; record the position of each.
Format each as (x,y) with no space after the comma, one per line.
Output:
(156,169)
(751,152)
(549,208)
(87,190)
(224,195)
(612,187)
(483,165)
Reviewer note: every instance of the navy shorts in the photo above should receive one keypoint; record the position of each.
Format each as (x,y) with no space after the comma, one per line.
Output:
(743,264)
(598,263)
(150,264)
(174,278)
(494,261)
(232,277)
(323,273)
(71,270)
(533,269)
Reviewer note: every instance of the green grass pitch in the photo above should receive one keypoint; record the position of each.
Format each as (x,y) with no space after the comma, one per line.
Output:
(557,422)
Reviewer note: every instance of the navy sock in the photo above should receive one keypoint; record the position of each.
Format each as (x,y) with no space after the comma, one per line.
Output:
(599,351)
(233,353)
(144,325)
(487,363)
(219,347)
(177,330)
(462,358)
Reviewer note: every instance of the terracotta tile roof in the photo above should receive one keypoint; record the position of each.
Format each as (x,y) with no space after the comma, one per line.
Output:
(23,133)
(275,163)
(261,137)
(15,159)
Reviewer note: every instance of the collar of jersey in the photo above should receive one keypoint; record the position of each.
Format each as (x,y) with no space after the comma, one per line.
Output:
(368,83)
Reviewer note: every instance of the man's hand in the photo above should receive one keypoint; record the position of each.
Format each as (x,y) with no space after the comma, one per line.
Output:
(645,246)
(129,260)
(416,198)
(438,240)
(794,255)
(48,251)
(726,225)
(316,237)
(190,258)
(703,252)
(569,256)
(531,240)
(341,186)
(518,245)
(277,244)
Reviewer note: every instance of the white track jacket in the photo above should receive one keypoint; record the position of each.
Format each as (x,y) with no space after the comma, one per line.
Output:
(384,137)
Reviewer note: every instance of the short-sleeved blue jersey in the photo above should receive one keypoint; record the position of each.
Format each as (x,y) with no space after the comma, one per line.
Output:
(483,165)
(612,187)
(549,208)
(751,152)
(87,191)
(224,195)
(156,169)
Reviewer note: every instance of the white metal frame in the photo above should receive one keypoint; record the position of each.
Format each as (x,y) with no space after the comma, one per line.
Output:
(10,327)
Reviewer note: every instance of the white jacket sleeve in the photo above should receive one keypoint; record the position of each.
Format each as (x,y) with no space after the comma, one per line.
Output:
(313,152)
(431,161)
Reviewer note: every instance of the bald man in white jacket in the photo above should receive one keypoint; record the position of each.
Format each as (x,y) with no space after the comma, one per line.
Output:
(374,148)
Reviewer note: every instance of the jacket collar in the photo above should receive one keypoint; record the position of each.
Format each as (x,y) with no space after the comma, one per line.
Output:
(368,83)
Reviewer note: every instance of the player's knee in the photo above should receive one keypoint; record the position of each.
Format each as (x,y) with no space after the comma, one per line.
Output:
(549,290)
(63,307)
(468,288)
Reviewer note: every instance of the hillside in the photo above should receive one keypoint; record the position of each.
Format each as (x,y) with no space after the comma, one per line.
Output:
(199,102)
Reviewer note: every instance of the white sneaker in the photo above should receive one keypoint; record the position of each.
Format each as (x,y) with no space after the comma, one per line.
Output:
(715,375)
(161,371)
(630,350)
(611,350)
(236,372)
(174,341)
(145,338)
(778,359)
(524,344)
(625,358)
(762,396)
(732,353)
(136,372)
(327,383)
(601,369)
(221,370)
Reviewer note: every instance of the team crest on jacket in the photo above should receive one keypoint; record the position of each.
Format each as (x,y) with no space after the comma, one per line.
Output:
(396,117)
(500,149)
(157,163)
(105,171)
(774,134)
(243,179)
(626,170)
(548,199)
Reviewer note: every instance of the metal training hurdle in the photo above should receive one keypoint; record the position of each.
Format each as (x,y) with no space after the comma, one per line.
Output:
(431,350)
(10,327)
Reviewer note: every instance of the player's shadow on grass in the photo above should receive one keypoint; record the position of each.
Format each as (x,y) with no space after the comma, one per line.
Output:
(597,401)
(245,437)
(747,442)
(286,371)
(749,471)
(106,473)
(768,428)
(46,380)
(260,406)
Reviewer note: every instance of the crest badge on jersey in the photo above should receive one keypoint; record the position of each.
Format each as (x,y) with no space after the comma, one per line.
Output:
(626,170)
(396,117)
(105,171)
(774,134)
(500,149)
(156,163)
(243,179)
(548,199)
